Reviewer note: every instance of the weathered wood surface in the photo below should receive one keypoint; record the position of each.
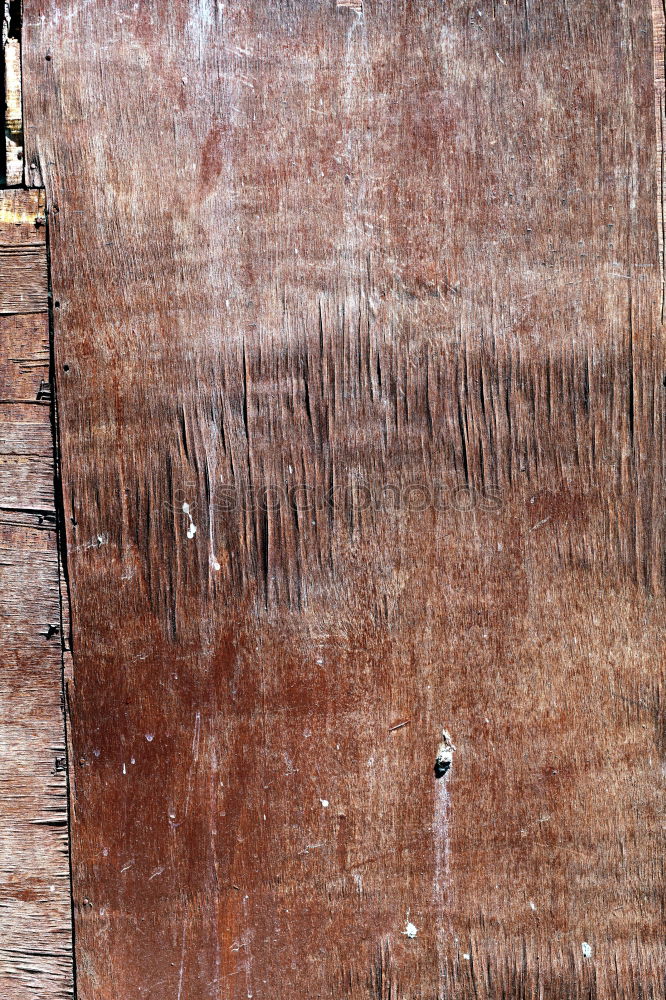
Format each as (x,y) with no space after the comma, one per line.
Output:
(404,255)
(35,913)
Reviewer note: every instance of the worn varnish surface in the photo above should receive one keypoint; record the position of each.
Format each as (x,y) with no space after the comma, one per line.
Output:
(373,250)
(35,924)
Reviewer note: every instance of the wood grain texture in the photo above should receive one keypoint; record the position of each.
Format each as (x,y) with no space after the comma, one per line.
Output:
(35,925)
(402,259)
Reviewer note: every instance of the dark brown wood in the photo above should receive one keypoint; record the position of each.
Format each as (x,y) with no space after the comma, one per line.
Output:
(35,925)
(404,257)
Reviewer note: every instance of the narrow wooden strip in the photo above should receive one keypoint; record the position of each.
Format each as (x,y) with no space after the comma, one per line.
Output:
(35,916)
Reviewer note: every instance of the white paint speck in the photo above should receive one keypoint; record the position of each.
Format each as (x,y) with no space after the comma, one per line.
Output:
(467,956)
(191,528)
(325,803)
(586,949)
(532,905)
(410,930)
(150,737)
(216,566)
(124,769)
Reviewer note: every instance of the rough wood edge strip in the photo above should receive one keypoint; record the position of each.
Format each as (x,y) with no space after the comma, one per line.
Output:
(36,953)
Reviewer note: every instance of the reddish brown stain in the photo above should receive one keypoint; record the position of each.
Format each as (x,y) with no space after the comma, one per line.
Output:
(212,156)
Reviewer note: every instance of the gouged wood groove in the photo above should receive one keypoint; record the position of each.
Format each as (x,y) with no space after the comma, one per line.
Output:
(35,916)
(401,258)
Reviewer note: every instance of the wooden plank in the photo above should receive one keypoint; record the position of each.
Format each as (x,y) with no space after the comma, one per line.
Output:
(23,283)
(35,925)
(401,258)
(24,365)
(22,217)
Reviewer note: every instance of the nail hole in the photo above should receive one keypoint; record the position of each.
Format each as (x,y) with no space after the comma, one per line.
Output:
(65,368)
(48,57)
(56,304)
